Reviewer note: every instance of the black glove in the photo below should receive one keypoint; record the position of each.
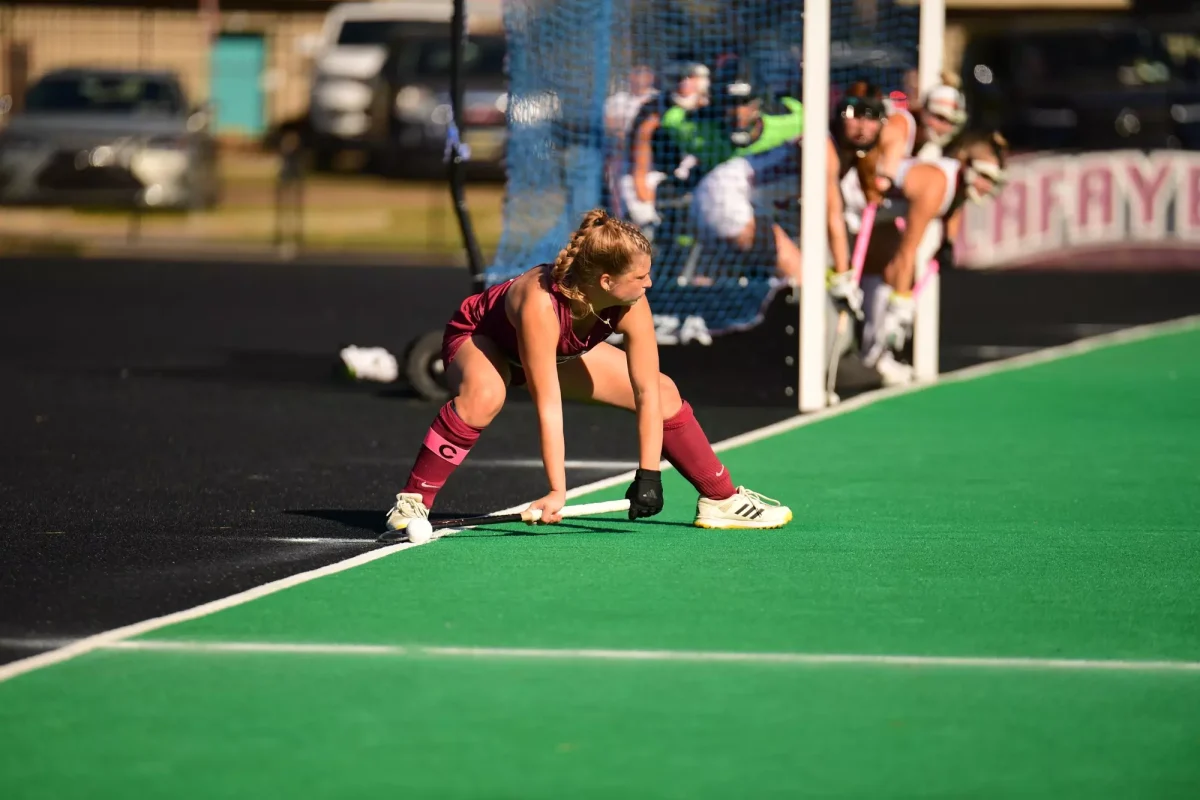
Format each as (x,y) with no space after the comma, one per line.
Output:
(645,494)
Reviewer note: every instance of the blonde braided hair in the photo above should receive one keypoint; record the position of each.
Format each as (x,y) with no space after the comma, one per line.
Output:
(601,245)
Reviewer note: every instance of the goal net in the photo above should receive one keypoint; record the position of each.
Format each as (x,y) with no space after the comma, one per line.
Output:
(716,183)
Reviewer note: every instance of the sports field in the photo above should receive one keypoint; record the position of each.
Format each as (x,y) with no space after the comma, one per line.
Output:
(991,589)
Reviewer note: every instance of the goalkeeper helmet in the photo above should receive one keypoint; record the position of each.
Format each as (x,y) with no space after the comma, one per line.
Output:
(946,108)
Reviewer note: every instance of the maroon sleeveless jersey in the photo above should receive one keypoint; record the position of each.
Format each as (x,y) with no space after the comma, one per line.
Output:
(484,314)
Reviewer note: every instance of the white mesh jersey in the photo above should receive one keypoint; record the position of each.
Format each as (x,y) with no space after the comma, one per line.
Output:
(930,151)
(854,203)
(854,200)
(725,197)
(905,114)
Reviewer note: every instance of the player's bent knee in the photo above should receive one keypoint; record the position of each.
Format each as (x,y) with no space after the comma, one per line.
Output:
(479,402)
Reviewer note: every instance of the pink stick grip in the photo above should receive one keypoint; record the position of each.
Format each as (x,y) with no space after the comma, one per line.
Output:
(864,239)
(929,273)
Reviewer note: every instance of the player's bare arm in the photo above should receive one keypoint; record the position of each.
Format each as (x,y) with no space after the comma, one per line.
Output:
(643,157)
(893,140)
(641,348)
(532,310)
(839,240)
(924,188)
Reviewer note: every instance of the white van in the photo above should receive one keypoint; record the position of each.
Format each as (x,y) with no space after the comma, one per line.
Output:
(347,56)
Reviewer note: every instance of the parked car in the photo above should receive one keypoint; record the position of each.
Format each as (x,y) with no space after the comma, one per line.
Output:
(109,137)
(347,56)
(411,108)
(1108,87)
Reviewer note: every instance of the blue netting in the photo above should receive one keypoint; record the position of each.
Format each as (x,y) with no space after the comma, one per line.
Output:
(568,62)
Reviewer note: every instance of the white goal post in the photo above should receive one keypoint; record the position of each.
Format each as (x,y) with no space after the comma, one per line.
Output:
(813,234)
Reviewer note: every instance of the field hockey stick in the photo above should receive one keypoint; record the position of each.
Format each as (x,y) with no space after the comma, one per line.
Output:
(862,241)
(859,257)
(930,271)
(835,355)
(527,515)
(857,260)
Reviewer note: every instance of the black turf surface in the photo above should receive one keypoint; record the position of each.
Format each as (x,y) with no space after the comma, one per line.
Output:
(165,428)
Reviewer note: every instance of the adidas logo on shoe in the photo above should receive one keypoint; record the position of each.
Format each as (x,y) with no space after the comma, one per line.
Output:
(743,510)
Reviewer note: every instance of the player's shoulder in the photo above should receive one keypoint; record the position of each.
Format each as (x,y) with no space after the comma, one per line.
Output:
(530,304)
(534,281)
(532,290)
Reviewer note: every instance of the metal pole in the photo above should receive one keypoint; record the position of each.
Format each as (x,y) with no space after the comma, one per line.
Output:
(926,323)
(814,236)
(932,44)
(457,158)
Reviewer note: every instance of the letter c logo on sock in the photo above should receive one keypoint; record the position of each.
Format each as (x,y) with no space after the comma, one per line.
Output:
(438,444)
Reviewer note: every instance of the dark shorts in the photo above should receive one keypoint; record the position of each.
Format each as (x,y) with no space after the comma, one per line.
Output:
(454,338)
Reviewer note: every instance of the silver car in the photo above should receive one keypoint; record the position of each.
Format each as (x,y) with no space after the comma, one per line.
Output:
(109,138)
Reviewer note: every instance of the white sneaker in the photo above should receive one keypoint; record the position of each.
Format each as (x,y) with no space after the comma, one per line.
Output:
(892,371)
(409,506)
(744,510)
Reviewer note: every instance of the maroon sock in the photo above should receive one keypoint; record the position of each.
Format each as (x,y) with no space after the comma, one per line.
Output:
(688,450)
(446,445)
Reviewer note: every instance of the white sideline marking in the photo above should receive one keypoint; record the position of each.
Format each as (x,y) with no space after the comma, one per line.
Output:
(537,463)
(689,656)
(316,540)
(115,635)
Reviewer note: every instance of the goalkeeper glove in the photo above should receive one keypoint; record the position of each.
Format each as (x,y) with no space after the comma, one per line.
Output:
(845,292)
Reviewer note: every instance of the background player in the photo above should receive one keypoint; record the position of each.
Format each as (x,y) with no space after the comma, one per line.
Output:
(745,144)
(547,328)
(853,152)
(933,193)
(942,113)
(655,146)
